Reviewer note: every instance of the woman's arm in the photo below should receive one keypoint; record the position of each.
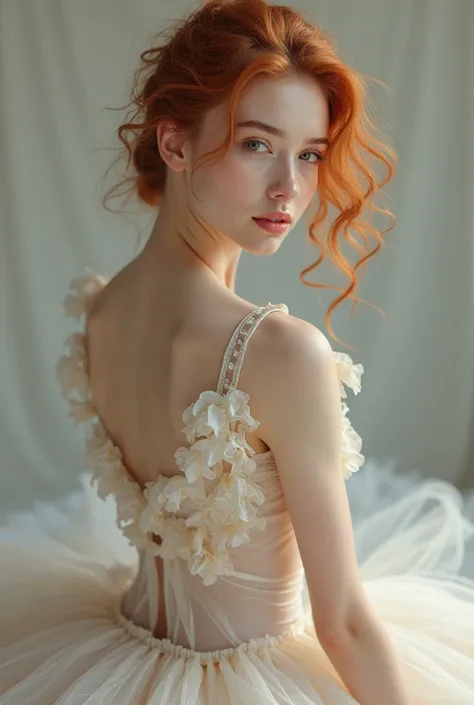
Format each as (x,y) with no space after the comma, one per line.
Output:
(299,409)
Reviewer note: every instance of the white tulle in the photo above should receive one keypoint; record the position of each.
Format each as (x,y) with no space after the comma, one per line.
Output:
(64,639)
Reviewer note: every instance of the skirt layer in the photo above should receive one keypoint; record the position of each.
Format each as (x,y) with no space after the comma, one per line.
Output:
(64,641)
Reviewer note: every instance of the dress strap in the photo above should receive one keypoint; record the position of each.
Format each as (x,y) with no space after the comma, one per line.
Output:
(235,350)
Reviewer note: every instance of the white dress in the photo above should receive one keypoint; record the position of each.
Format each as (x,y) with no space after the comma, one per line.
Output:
(77,621)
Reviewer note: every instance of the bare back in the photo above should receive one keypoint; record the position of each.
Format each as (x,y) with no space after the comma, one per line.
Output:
(151,352)
(160,352)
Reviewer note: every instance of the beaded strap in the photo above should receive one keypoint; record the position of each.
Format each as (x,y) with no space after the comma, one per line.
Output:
(235,351)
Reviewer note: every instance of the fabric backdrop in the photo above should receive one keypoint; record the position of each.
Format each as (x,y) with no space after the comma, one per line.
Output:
(63,62)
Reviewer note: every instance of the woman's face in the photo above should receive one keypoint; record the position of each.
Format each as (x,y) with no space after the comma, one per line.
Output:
(264,169)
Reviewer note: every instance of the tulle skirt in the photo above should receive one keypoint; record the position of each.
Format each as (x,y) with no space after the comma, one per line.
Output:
(64,640)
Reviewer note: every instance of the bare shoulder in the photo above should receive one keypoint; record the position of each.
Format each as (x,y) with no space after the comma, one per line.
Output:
(296,392)
(292,340)
(290,352)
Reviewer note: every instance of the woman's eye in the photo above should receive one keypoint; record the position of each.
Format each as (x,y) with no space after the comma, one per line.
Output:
(247,143)
(318,155)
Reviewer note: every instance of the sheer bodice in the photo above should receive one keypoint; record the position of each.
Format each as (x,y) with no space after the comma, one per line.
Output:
(219,562)
(261,595)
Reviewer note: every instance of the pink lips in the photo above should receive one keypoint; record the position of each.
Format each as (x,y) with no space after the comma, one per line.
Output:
(271,226)
(285,217)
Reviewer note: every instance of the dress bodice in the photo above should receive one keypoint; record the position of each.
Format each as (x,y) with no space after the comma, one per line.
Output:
(220,526)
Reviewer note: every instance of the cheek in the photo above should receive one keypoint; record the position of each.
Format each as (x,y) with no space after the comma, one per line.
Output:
(308,192)
(310,187)
(235,180)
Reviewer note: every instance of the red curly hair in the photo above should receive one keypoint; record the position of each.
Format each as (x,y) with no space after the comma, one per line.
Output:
(178,82)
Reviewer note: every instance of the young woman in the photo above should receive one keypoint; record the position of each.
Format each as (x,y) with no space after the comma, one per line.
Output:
(220,426)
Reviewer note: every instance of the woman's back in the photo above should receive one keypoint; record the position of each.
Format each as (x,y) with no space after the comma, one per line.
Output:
(156,340)
(152,362)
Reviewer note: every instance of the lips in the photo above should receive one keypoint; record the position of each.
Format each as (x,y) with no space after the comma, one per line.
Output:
(275,216)
(271,226)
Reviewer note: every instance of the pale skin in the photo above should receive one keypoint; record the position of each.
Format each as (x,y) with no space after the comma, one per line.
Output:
(158,332)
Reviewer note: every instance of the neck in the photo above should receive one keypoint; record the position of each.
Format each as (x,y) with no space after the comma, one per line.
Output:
(175,248)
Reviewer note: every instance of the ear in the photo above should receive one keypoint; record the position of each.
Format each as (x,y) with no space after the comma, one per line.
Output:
(171,145)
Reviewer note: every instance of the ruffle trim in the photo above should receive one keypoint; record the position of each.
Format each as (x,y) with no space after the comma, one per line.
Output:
(255,645)
(216,482)
(350,375)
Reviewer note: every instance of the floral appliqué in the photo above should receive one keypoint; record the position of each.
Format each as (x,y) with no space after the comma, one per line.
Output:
(216,482)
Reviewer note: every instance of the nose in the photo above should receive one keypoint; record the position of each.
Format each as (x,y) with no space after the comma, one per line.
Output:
(285,187)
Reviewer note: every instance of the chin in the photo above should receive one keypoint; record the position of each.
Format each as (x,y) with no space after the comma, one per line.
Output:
(265,247)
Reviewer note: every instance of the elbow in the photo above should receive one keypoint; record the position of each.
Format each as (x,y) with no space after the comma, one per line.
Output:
(343,629)
(333,635)
(343,621)
(337,629)
(330,620)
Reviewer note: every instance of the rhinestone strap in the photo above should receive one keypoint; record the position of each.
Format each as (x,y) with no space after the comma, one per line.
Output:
(235,351)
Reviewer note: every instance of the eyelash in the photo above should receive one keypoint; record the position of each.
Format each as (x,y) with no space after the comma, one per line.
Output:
(309,151)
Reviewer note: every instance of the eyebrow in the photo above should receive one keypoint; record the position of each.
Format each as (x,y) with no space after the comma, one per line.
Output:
(276,131)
